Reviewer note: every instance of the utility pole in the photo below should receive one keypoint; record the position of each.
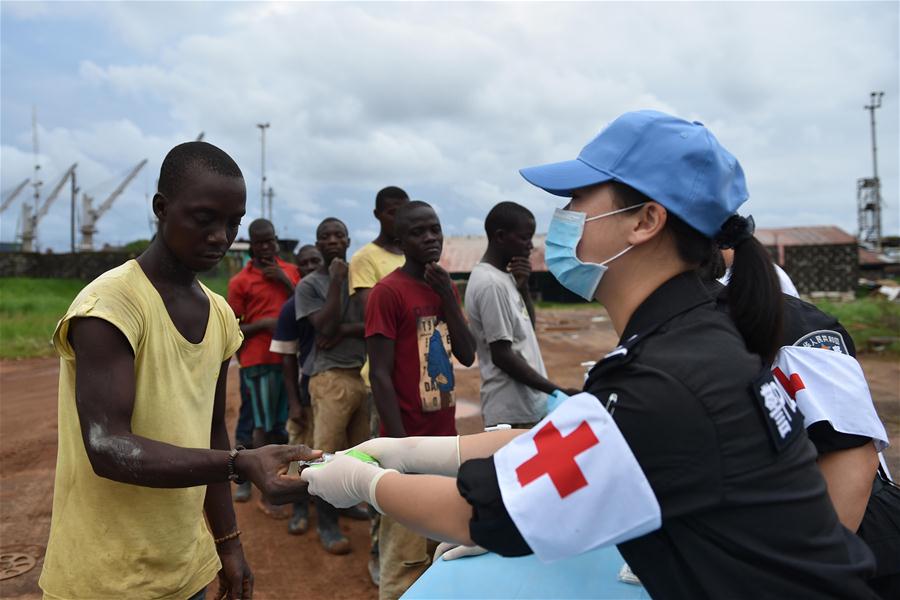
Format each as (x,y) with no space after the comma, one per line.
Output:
(72,210)
(262,187)
(270,194)
(868,189)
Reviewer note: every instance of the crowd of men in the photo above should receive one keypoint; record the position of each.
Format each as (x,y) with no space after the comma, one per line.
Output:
(336,352)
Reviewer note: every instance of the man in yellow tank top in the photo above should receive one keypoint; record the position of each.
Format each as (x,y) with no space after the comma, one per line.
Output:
(382,256)
(369,265)
(143,449)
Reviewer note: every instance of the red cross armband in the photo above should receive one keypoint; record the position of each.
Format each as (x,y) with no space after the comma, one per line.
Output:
(829,385)
(572,484)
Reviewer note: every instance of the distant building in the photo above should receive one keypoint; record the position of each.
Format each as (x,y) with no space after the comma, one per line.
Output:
(875,266)
(462,253)
(818,259)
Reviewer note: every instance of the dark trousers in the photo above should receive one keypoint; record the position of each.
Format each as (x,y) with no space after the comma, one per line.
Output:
(243,433)
(201,595)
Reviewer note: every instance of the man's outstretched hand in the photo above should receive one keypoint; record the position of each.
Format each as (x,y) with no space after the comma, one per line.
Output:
(267,468)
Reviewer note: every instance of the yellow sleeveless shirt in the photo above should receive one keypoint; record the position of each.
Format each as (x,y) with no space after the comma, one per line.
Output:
(115,540)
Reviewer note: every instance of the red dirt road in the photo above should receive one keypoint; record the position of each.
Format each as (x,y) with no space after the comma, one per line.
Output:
(286,567)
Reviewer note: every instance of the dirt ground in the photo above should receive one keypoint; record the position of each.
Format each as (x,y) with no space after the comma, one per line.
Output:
(288,566)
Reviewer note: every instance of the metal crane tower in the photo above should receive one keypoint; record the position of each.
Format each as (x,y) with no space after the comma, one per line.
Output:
(90,215)
(12,195)
(30,221)
(868,190)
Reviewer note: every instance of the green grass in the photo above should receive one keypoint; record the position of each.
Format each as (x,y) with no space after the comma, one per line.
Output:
(29,311)
(217,284)
(567,305)
(866,318)
(31,307)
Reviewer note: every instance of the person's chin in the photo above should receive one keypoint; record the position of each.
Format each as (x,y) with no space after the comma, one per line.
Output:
(432,255)
(204,262)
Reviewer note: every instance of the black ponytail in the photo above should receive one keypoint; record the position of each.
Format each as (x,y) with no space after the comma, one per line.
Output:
(754,292)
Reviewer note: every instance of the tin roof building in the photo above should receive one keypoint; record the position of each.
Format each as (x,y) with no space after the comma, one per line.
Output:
(817,258)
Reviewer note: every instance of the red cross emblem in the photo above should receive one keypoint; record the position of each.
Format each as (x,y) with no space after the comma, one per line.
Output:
(556,457)
(792,385)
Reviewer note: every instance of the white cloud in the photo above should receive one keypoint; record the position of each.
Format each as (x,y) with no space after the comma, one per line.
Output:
(449,100)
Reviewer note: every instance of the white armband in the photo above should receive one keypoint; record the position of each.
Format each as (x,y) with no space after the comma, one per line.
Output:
(572,484)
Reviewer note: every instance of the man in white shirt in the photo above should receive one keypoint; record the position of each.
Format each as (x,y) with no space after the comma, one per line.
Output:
(514,384)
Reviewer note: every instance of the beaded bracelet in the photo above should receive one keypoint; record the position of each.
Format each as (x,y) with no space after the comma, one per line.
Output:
(230,536)
(232,469)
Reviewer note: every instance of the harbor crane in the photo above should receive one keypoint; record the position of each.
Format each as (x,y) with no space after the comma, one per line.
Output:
(12,195)
(91,215)
(30,221)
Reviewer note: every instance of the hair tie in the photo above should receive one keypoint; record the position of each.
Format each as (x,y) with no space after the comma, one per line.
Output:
(735,231)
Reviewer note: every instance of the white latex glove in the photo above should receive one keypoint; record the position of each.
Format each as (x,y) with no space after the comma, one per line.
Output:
(451,551)
(434,455)
(344,481)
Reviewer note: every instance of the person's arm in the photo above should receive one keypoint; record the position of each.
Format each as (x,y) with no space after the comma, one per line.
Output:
(515,366)
(363,295)
(849,474)
(258,326)
(462,343)
(291,375)
(362,275)
(354,328)
(439,511)
(104,399)
(435,455)
(529,304)
(285,342)
(237,301)
(344,330)
(272,270)
(357,329)
(381,366)
(235,573)
(520,268)
(326,320)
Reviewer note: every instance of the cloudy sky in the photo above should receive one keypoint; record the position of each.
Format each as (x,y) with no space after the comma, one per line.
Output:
(445,100)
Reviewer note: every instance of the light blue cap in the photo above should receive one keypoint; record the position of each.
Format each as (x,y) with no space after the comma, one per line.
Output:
(675,162)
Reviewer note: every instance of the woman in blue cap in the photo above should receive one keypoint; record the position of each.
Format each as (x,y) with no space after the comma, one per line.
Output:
(683,450)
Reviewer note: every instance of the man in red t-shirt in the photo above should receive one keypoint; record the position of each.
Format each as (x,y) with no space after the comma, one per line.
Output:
(413,324)
(256,295)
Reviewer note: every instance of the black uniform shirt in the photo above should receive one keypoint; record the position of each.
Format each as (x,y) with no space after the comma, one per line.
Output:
(807,326)
(741,518)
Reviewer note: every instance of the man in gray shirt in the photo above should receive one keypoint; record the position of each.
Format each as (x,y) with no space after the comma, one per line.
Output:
(336,388)
(514,384)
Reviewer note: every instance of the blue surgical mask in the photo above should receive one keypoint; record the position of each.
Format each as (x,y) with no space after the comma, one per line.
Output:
(561,257)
